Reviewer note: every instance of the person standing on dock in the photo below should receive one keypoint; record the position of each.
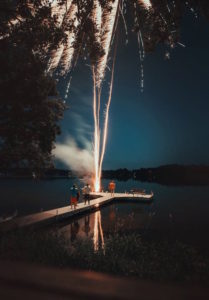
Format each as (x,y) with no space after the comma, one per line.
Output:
(111,187)
(86,193)
(74,196)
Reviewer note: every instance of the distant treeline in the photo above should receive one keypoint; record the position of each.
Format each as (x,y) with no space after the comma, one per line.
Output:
(28,173)
(167,175)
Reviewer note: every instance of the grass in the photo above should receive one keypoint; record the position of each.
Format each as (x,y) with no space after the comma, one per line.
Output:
(126,255)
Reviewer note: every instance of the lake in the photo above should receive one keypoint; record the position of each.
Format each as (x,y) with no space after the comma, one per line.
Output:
(180,213)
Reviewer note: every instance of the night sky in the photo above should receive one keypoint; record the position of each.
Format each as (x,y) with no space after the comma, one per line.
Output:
(167,123)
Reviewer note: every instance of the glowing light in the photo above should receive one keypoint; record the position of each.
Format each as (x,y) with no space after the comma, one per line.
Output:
(146,3)
(68,87)
(98,231)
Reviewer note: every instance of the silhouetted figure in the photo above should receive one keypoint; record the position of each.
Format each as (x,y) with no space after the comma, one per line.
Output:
(74,196)
(111,187)
(86,193)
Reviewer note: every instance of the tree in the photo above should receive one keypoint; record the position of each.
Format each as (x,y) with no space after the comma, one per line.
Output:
(30,106)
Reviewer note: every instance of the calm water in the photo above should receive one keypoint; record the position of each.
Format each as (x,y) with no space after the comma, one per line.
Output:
(176,213)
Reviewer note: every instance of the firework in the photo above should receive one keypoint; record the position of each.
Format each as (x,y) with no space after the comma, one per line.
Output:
(69,49)
(61,12)
(97,20)
(108,24)
(145,3)
(154,22)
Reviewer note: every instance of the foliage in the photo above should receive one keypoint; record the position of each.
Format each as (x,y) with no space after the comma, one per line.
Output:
(29,104)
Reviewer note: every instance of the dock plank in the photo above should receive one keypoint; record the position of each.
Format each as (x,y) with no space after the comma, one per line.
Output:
(57,214)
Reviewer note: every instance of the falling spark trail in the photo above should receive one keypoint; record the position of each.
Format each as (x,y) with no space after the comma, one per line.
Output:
(68,87)
(124,22)
(142,43)
(180,44)
(168,8)
(141,56)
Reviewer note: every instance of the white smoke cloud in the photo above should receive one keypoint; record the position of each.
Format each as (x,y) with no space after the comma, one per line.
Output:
(74,149)
(79,160)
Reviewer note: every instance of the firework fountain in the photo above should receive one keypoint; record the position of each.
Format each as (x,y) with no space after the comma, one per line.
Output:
(109,20)
(105,21)
(106,35)
(90,28)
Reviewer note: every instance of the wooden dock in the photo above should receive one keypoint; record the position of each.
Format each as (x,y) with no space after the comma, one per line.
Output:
(59,214)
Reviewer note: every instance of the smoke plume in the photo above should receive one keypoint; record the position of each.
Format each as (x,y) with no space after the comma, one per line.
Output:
(79,160)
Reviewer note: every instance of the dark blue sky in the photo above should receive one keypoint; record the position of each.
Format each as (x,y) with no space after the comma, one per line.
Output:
(168,122)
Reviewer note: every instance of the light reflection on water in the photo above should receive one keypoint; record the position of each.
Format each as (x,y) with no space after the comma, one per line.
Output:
(117,217)
(89,226)
(98,231)
(177,212)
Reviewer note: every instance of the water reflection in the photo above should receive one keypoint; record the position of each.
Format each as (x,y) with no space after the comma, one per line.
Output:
(177,213)
(87,228)
(74,229)
(98,237)
(115,218)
